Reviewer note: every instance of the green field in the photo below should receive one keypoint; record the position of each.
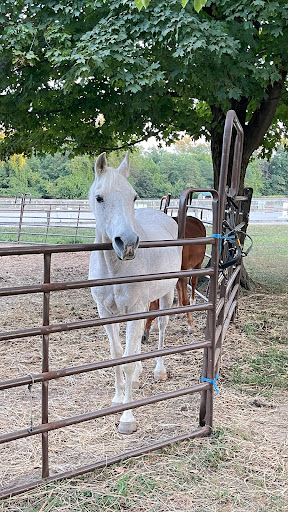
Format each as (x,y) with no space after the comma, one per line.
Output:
(267,263)
(55,235)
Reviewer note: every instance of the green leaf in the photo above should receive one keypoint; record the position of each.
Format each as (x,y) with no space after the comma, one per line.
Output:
(198,4)
(30,55)
(184,3)
(139,4)
(234,93)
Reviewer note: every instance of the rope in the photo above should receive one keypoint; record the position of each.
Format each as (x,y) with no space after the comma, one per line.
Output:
(234,237)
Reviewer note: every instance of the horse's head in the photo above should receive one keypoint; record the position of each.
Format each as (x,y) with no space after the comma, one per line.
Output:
(112,200)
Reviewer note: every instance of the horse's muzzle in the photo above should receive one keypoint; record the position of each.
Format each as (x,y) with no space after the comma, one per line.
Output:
(125,251)
(130,252)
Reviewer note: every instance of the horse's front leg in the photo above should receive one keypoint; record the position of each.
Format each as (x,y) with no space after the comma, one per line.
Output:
(138,367)
(116,352)
(134,331)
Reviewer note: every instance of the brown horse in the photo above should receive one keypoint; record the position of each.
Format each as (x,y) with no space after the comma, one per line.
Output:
(192,257)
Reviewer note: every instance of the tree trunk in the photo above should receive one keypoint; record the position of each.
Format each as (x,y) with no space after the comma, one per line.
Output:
(254,130)
(246,281)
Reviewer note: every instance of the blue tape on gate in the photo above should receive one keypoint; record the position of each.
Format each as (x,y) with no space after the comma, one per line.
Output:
(211,382)
(227,237)
(218,235)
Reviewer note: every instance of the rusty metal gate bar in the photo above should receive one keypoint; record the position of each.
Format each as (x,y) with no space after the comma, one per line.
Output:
(218,318)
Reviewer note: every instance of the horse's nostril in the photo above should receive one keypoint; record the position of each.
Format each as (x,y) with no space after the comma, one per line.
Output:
(119,242)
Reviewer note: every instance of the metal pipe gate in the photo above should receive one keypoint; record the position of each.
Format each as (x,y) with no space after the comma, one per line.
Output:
(220,310)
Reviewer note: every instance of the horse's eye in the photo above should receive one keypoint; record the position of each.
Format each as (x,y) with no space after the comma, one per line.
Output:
(135,198)
(99,199)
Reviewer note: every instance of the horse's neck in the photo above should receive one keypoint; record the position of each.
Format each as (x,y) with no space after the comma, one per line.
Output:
(107,259)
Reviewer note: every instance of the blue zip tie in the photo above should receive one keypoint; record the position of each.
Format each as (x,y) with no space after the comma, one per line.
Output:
(223,237)
(211,382)
(218,235)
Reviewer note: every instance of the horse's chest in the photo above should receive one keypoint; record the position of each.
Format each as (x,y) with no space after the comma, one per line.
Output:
(114,300)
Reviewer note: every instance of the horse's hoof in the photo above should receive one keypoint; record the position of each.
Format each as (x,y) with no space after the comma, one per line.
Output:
(192,330)
(135,384)
(160,375)
(126,427)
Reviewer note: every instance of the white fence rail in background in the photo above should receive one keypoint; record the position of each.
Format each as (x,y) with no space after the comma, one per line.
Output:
(41,220)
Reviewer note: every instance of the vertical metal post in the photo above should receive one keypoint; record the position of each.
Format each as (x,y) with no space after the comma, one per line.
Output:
(22,205)
(77,225)
(48,222)
(206,405)
(45,365)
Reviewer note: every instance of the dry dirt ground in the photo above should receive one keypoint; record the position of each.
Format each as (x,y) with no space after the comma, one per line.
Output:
(250,421)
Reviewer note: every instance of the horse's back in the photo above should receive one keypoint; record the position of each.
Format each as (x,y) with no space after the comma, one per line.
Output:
(194,227)
(155,225)
(193,255)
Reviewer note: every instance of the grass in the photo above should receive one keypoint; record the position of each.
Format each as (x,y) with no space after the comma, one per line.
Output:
(267,263)
(211,475)
(55,235)
(261,371)
(261,365)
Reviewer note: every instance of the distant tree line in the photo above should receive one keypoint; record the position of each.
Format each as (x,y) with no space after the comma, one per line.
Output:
(154,172)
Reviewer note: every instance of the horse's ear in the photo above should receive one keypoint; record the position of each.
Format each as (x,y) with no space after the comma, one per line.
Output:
(101,164)
(124,167)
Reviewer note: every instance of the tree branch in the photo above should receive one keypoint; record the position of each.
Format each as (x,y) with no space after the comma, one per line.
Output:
(263,117)
(124,146)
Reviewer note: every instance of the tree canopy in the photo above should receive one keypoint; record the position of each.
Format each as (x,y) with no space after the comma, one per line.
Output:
(68,66)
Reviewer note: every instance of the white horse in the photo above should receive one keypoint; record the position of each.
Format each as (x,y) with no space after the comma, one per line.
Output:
(112,200)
